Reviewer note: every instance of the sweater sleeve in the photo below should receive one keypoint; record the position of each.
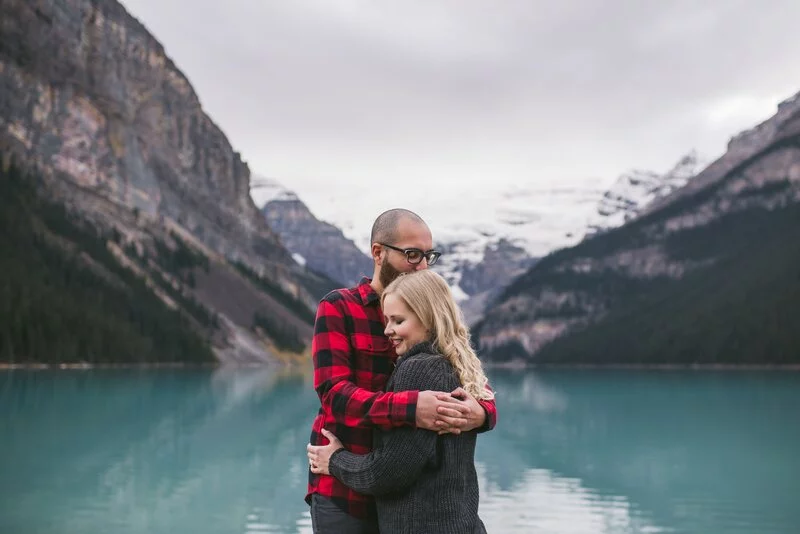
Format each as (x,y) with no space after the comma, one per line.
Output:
(405,451)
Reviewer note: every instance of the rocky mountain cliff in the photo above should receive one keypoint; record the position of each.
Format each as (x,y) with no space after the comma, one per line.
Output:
(90,102)
(707,274)
(319,245)
(742,150)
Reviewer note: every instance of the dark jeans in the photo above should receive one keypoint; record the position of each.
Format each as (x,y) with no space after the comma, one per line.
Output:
(327,518)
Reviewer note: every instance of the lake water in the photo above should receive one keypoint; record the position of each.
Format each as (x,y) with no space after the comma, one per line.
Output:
(223,451)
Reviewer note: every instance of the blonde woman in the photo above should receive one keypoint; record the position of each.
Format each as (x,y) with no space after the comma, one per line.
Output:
(423,482)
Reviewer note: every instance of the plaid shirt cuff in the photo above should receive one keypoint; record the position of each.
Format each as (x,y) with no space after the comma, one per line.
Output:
(491,415)
(403,409)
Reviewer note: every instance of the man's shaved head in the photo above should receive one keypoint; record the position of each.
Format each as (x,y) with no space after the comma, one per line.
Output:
(384,229)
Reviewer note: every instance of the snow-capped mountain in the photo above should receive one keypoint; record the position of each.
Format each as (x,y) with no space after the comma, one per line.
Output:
(488,239)
(636,189)
(517,225)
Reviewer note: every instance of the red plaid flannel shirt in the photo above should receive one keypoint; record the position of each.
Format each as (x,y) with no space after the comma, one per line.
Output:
(353,360)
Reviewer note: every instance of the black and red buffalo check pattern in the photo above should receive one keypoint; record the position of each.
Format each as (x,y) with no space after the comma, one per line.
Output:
(353,360)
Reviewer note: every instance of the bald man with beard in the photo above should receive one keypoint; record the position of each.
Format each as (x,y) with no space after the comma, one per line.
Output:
(353,360)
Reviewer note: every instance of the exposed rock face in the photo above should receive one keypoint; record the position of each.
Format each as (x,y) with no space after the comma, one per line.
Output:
(783,126)
(483,281)
(321,246)
(91,96)
(501,261)
(90,99)
(578,286)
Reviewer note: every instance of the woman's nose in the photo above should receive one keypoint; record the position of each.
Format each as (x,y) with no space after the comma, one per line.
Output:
(387,330)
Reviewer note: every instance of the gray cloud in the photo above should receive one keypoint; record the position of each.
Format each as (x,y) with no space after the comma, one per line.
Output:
(413,92)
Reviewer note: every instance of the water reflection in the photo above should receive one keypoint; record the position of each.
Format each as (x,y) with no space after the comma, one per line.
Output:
(544,502)
(579,452)
(154,451)
(644,452)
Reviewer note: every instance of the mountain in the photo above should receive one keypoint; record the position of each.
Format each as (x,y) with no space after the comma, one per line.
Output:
(707,274)
(476,263)
(320,246)
(486,241)
(65,297)
(479,276)
(93,111)
(637,189)
(323,247)
(486,238)
(476,280)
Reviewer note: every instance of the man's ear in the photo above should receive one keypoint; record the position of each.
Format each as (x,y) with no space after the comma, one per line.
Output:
(377,250)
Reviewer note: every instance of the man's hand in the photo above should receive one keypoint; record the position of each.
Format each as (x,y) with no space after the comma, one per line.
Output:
(474,414)
(437,410)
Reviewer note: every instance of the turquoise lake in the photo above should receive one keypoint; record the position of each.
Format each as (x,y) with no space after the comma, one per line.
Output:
(223,451)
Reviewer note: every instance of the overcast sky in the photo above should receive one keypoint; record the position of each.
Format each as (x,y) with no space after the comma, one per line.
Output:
(391,98)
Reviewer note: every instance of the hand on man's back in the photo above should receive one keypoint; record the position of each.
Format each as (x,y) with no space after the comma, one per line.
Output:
(475,416)
(437,409)
(453,412)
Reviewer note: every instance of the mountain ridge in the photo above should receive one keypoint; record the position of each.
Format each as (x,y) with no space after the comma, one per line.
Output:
(94,108)
(317,244)
(570,293)
(636,190)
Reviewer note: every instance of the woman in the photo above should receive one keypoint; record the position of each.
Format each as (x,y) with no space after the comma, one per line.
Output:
(422,482)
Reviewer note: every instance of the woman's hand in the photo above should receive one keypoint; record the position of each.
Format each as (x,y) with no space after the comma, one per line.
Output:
(319,456)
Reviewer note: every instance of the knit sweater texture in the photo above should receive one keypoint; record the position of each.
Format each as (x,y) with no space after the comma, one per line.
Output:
(423,483)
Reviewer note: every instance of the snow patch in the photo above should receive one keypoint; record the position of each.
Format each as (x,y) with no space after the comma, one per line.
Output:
(636,189)
(265,190)
(299,259)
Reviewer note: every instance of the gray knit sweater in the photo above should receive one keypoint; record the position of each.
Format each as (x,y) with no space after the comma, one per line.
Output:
(423,483)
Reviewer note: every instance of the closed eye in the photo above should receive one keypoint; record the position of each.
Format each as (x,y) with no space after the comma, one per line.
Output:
(393,320)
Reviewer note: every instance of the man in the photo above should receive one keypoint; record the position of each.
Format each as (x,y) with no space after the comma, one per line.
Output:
(353,360)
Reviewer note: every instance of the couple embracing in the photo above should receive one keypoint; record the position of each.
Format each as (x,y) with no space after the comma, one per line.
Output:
(403,397)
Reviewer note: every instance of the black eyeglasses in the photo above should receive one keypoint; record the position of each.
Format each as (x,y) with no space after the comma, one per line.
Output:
(415,255)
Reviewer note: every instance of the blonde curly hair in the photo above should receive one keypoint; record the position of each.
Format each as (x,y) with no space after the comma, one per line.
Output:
(429,297)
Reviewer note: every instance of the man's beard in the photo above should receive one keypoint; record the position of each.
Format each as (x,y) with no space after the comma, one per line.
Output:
(387,274)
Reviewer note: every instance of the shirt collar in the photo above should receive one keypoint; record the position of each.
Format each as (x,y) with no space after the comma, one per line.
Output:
(368,295)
